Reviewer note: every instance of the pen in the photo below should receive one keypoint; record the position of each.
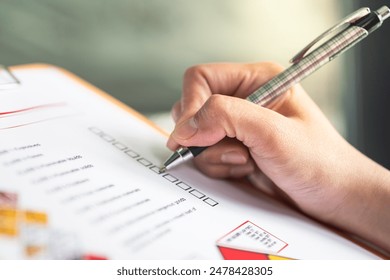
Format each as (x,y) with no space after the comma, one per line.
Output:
(351,30)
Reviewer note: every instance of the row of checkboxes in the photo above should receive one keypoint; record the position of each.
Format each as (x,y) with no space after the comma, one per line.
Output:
(147,163)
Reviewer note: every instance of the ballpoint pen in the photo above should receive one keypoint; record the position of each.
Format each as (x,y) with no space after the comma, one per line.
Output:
(351,29)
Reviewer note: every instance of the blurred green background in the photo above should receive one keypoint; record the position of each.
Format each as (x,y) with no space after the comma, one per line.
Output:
(138,50)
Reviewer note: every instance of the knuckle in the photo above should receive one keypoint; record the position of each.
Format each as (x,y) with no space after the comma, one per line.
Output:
(211,110)
(216,113)
(176,111)
(222,107)
(273,68)
(195,71)
(217,105)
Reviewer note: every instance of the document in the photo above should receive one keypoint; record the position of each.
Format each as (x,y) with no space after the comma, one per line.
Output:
(80,178)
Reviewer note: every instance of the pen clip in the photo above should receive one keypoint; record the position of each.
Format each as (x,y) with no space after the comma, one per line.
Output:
(347,20)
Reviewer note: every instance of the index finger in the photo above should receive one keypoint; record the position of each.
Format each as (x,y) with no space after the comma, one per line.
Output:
(233,79)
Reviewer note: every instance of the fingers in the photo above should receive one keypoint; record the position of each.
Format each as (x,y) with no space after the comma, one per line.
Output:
(239,80)
(227,159)
(223,116)
(176,111)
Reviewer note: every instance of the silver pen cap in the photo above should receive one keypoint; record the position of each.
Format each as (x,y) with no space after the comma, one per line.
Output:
(383,12)
(178,157)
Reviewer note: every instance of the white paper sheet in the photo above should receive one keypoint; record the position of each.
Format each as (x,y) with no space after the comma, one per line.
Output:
(92,168)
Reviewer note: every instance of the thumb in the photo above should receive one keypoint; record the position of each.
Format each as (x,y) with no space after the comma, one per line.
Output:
(222,116)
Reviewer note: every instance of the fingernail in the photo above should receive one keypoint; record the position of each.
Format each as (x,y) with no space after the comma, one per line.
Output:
(233,158)
(241,170)
(186,129)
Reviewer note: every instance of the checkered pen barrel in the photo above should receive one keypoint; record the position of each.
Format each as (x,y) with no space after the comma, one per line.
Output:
(310,63)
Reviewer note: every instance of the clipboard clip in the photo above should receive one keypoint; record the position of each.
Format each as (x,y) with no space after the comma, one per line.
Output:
(350,19)
(7,79)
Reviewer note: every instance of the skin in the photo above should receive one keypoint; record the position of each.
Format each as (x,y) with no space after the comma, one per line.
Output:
(290,145)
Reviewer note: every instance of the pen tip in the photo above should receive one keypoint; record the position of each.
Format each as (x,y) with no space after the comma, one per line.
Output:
(163,169)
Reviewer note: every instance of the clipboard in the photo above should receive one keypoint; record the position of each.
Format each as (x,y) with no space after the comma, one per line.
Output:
(7,79)
(82,169)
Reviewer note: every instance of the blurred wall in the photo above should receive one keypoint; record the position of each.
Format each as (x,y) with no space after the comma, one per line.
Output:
(137,50)
(369,116)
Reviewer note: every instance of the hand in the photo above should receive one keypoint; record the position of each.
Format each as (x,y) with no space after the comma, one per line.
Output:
(291,143)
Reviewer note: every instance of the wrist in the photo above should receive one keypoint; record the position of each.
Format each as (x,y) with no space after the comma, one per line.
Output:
(364,210)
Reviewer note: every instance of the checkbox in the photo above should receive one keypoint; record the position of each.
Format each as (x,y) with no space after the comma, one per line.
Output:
(156,169)
(107,138)
(197,193)
(144,162)
(170,178)
(120,146)
(184,186)
(95,130)
(210,201)
(132,154)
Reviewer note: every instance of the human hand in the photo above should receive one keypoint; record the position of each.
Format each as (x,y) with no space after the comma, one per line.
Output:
(291,143)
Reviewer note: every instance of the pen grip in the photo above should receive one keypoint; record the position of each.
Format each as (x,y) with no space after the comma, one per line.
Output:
(196,150)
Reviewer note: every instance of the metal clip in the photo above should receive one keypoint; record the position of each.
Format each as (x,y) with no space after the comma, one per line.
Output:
(347,20)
